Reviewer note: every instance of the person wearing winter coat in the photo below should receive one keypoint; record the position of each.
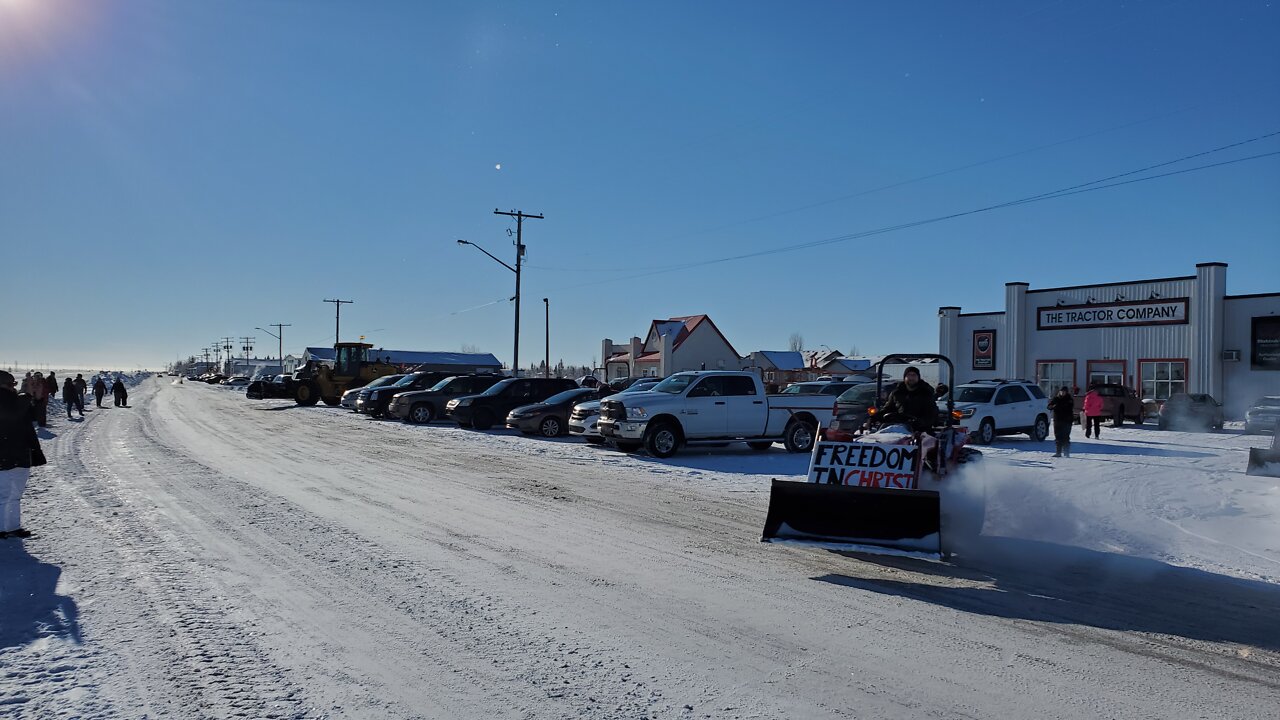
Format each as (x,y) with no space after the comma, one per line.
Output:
(82,389)
(120,393)
(914,399)
(40,399)
(1063,407)
(51,384)
(1093,413)
(19,452)
(99,389)
(71,397)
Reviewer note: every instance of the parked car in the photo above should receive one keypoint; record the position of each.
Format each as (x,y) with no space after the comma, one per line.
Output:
(1120,403)
(483,410)
(1263,416)
(621,384)
(1002,407)
(712,407)
(820,387)
(423,406)
(852,405)
(373,401)
(350,397)
(236,381)
(585,419)
(1191,411)
(277,386)
(550,418)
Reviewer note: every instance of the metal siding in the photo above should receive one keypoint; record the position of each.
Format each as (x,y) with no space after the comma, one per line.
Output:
(1241,384)
(1128,344)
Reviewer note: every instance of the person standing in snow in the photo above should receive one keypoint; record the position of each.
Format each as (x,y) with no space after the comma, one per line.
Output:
(40,399)
(71,397)
(99,389)
(120,393)
(19,452)
(1093,413)
(82,389)
(1063,407)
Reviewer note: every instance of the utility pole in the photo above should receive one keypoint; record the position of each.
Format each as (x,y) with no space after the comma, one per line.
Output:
(246,344)
(337,317)
(226,359)
(278,335)
(546,368)
(520,217)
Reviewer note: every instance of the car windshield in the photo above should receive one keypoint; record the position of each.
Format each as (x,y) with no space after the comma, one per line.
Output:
(406,380)
(384,380)
(974,394)
(499,387)
(859,394)
(675,384)
(568,396)
(443,384)
(802,389)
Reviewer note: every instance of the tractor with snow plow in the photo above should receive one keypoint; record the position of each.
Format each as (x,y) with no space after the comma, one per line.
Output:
(897,485)
(351,368)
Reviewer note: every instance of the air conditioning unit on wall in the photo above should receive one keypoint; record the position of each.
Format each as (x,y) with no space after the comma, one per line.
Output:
(1231,355)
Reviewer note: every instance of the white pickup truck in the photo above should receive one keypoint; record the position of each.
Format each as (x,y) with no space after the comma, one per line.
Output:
(712,407)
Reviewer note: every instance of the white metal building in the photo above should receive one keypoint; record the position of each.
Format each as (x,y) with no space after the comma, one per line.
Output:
(1160,336)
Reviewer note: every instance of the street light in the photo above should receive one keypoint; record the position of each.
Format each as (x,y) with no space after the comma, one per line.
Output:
(280,338)
(546,368)
(515,353)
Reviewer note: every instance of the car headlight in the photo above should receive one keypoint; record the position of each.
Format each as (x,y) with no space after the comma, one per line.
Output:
(636,413)
(966,412)
(463,402)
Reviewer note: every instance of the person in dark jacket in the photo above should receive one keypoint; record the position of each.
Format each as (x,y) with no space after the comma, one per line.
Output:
(914,400)
(51,385)
(1063,407)
(121,393)
(40,399)
(83,387)
(70,396)
(19,452)
(99,389)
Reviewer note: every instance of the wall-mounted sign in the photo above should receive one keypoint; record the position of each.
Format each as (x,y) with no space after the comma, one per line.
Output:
(1121,314)
(1265,346)
(984,349)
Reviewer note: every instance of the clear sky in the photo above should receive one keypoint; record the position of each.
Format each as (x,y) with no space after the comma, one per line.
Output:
(173,171)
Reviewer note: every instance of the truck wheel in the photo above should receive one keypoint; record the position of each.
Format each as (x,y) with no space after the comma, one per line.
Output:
(987,431)
(1118,419)
(482,420)
(662,440)
(1041,429)
(798,437)
(761,446)
(551,427)
(306,394)
(422,413)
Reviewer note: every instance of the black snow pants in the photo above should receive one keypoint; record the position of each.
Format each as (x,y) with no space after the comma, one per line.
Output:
(1062,437)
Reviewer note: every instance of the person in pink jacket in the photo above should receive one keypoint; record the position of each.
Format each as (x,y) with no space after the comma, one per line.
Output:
(1093,413)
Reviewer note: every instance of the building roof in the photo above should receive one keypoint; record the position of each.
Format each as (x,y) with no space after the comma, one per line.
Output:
(850,364)
(415,357)
(784,359)
(680,328)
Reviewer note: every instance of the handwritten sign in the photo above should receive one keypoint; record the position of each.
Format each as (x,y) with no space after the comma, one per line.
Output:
(865,465)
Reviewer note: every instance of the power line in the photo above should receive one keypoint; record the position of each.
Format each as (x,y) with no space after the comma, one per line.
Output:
(1062,192)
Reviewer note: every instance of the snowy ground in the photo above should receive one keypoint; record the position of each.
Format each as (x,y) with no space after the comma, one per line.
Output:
(203,555)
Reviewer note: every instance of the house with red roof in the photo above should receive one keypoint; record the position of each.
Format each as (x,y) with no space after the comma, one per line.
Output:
(670,346)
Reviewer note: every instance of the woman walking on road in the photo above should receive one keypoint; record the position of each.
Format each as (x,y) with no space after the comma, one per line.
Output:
(1093,413)
(1064,410)
(19,452)
(99,389)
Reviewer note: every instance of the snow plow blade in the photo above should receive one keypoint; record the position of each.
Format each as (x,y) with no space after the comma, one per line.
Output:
(852,517)
(1265,462)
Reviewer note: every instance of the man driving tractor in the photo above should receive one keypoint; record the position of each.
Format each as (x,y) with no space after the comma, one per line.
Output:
(912,402)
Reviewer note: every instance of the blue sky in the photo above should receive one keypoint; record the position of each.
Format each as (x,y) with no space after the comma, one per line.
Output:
(173,172)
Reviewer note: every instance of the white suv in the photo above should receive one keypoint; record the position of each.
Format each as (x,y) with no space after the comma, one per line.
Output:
(1001,407)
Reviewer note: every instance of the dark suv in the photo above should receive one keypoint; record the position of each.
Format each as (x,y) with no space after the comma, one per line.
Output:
(1191,411)
(374,401)
(483,410)
(423,406)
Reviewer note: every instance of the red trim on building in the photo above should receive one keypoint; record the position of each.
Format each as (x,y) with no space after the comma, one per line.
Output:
(1125,378)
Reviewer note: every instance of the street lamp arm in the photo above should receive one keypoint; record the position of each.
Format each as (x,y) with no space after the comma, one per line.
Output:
(486,252)
(268,332)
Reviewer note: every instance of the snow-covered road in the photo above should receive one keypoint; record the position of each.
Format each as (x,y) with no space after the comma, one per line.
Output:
(203,555)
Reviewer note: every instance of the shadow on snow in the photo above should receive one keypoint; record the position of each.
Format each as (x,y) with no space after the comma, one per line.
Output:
(29,604)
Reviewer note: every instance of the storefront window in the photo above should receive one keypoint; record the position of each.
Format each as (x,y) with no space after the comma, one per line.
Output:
(1106,373)
(1054,375)
(1163,378)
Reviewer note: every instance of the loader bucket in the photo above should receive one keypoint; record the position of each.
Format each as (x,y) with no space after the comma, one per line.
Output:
(1263,461)
(853,517)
